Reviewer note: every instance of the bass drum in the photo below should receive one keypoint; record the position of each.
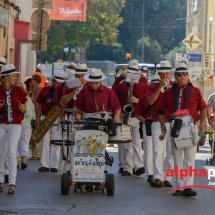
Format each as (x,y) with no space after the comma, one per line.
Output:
(56,135)
(123,134)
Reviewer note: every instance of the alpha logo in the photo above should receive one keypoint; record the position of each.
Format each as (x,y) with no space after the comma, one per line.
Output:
(183,173)
(192,41)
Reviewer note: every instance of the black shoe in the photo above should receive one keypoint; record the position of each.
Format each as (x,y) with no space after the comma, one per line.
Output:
(167,184)
(150,178)
(6,178)
(157,183)
(126,173)
(54,170)
(178,193)
(89,188)
(140,171)
(121,170)
(43,169)
(23,165)
(189,192)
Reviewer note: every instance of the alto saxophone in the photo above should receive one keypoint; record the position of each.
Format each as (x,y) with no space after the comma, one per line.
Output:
(77,92)
(128,108)
(45,125)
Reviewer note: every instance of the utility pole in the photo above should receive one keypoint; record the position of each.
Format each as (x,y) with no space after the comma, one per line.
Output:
(143,32)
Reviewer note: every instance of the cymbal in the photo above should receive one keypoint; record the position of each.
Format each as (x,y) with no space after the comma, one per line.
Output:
(103,112)
(73,110)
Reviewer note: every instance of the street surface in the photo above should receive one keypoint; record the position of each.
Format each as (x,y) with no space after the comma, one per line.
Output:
(39,193)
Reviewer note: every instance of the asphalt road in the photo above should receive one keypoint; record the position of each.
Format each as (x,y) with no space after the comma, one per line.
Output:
(39,193)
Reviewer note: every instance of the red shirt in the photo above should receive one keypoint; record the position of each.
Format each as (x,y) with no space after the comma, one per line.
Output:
(18,95)
(154,110)
(58,93)
(45,100)
(142,106)
(195,103)
(122,92)
(105,98)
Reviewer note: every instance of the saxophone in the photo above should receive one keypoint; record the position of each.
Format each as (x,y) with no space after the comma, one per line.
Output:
(45,125)
(77,92)
(128,108)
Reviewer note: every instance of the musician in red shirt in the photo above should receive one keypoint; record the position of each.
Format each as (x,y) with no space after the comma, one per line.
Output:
(45,100)
(132,152)
(12,110)
(186,96)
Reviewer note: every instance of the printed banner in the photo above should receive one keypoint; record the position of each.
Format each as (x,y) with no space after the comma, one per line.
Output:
(68,10)
(89,156)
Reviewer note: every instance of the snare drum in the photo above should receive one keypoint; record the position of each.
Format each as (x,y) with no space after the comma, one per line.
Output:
(187,134)
(56,134)
(123,134)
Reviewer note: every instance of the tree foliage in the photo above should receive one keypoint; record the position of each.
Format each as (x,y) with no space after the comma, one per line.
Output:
(103,18)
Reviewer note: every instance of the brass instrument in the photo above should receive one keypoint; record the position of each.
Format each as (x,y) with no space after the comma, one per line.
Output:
(128,108)
(45,125)
(77,92)
(165,85)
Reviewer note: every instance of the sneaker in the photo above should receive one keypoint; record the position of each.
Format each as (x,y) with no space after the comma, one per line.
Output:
(150,178)
(157,183)
(189,192)
(43,169)
(121,170)
(178,193)
(167,184)
(140,171)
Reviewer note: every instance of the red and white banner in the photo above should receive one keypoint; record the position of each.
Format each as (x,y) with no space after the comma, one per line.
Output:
(68,10)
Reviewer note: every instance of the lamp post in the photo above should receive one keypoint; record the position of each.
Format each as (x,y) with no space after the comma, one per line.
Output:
(66,50)
(73,50)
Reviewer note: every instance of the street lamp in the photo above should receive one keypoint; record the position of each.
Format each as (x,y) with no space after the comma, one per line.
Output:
(66,48)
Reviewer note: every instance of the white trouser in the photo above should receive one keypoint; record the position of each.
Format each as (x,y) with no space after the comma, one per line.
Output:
(120,154)
(158,151)
(148,152)
(169,159)
(55,156)
(132,152)
(23,144)
(45,150)
(9,134)
(6,162)
(185,158)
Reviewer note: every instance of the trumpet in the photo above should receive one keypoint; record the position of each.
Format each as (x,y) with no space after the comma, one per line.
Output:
(77,92)
(165,85)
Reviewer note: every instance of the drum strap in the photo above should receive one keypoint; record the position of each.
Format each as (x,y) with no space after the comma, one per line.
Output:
(177,99)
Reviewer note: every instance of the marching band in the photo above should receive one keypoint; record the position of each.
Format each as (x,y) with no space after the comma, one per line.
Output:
(152,115)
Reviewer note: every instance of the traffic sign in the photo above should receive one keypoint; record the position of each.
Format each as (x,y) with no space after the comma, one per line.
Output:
(182,57)
(45,4)
(192,41)
(45,21)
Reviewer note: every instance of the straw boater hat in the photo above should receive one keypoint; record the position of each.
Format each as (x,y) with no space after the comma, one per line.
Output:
(182,67)
(59,76)
(133,66)
(155,79)
(95,75)
(71,66)
(165,67)
(8,69)
(2,61)
(81,68)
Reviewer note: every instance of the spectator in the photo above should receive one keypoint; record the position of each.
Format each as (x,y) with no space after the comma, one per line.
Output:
(38,72)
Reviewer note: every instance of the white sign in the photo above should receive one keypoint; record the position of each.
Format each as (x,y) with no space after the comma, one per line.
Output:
(207,65)
(46,69)
(89,156)
(59,66)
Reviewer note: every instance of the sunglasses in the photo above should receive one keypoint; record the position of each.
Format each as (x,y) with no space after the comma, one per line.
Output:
(180,74)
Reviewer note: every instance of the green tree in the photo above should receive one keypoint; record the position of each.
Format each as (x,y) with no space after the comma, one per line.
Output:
(171,55)
(103,18)
(152,50)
